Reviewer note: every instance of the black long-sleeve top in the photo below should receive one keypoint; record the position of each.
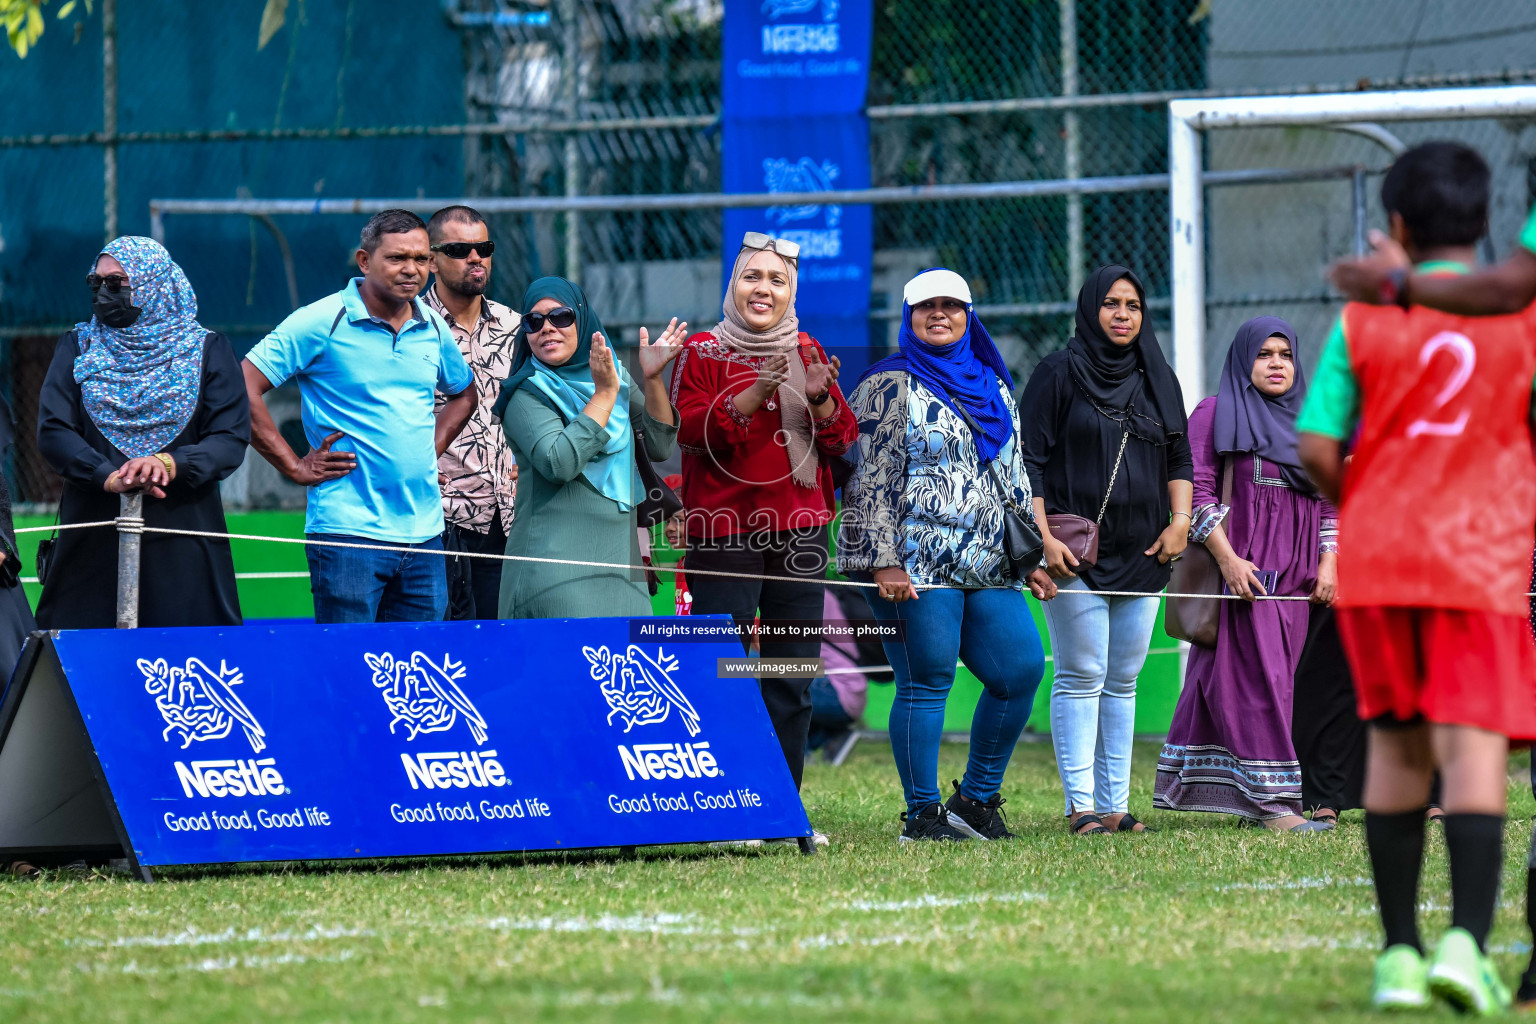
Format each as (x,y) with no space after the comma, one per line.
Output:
(1069,453)
(184,581)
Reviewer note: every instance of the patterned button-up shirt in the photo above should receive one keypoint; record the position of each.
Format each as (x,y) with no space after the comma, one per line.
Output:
(478,464)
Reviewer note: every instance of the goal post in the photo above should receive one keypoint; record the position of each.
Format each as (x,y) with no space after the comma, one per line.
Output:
(1189,118)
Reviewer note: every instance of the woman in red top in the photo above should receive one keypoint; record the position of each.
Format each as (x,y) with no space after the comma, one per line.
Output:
(761,417)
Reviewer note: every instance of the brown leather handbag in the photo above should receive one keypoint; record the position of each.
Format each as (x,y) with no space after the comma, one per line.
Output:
(1198,619)
(1080,535)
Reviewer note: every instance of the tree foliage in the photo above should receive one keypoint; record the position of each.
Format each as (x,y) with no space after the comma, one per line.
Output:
(24,21)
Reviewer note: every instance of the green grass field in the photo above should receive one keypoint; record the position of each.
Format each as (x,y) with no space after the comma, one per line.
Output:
(1203,921)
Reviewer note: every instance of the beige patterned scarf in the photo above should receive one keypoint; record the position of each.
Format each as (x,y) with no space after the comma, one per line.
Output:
(794,411)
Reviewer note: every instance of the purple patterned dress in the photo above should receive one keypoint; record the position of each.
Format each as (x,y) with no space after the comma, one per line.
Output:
(1229,748)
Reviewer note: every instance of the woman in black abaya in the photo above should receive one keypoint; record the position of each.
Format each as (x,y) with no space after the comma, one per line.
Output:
(142,398)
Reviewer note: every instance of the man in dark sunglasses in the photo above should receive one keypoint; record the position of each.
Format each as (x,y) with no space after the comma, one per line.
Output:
(477,473)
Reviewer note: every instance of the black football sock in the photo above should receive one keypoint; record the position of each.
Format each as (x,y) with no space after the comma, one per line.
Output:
(1396,845)
(1528,979)
(1475,843)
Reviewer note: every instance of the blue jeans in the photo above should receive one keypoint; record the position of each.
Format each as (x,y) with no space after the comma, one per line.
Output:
(1099,645)
(992,633)
(353,585)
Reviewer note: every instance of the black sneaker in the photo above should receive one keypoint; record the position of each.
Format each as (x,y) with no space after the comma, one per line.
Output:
(932,823)
(978,820)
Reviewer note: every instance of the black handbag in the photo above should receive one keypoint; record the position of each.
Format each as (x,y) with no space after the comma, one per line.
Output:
(1022,543)
(660,502)
(45,552)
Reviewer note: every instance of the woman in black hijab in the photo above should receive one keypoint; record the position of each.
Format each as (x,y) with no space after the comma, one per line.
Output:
(1105,438)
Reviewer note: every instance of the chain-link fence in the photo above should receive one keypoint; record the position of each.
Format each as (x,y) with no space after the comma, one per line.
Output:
(562,98)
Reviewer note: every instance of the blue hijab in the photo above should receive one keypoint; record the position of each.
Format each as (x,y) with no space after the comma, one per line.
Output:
(140,384)
(963,374)
(569,387)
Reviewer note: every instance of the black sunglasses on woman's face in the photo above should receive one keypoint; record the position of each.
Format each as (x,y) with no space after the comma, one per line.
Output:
(560,316)
(114,283)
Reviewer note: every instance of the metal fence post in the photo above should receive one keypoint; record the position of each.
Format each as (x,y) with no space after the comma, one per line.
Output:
(130,534)
(1358,204)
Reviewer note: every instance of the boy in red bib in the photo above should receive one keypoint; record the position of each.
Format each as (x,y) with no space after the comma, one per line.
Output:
(1445,671)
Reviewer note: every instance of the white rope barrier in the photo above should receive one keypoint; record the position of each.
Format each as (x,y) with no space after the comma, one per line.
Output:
(136,526)
(65,526)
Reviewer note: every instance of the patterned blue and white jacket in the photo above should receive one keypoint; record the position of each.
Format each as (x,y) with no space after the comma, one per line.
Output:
(919,498)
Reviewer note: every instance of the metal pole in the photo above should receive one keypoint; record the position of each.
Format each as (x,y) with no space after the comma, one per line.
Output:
(569,72)
(109,116)
(1187,221)
(1357,203)
(130,534)
(1074,144)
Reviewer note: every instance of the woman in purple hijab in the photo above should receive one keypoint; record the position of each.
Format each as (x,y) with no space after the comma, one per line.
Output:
(1229,748)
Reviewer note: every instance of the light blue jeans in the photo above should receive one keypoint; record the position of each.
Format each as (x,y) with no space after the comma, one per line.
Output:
(1099,645)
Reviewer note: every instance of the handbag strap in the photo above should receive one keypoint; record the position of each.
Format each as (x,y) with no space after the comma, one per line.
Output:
(1113,475)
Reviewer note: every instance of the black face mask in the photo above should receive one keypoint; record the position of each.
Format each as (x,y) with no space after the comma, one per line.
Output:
(114,308)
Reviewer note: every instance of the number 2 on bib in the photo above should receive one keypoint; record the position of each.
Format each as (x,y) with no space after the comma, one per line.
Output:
(1460,346)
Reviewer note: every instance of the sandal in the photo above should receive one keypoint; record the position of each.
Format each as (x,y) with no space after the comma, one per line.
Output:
(1326,817)
(1093,821)
(1128,823)
(21,869)
(1434,814)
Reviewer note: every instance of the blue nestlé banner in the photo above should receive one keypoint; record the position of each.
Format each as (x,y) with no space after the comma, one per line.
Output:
(795,77)
(305,741)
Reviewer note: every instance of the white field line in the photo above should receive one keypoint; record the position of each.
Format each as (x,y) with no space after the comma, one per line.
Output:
(230,963)
(896,939)
(192,937)
(925,902)
(1325,882)
(655,924)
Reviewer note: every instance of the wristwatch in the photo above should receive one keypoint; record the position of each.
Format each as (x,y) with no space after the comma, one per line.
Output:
(818,399)
(1394,290)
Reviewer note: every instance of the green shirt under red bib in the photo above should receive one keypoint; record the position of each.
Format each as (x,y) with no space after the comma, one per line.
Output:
(1439,500)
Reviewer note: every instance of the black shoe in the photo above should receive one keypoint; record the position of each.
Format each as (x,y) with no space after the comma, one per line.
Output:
(975,819)
(932,823)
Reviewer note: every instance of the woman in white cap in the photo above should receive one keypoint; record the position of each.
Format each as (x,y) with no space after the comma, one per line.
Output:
(937,458)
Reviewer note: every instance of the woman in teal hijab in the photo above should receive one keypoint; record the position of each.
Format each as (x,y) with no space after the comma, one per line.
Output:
(570,411)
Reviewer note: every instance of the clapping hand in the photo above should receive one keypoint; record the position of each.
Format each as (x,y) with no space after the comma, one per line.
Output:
(820,376)
(655,357)
(600,361)
(773,372)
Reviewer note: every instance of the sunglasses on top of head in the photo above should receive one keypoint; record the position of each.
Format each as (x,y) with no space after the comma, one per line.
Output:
(757,240)
(113,283)
(560,316)
(461,250)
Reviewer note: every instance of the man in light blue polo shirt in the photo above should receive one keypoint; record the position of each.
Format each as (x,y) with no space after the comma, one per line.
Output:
(368,361)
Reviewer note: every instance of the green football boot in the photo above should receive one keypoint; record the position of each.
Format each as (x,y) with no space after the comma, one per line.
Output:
(1402,980)
(1462,976)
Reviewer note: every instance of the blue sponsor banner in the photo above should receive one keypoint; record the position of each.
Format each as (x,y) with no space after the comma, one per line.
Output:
(322,742)
(784,58)
(795,78)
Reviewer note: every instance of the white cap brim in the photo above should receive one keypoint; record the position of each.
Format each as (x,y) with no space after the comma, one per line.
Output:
(934,284)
